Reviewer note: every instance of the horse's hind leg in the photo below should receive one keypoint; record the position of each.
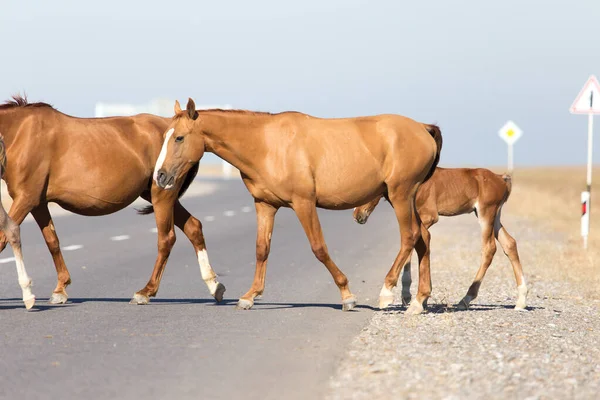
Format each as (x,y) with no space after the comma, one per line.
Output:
(509,245)
(486,216)
(307,214)
(13,234)
(403,207)
(193,230)
(41,214)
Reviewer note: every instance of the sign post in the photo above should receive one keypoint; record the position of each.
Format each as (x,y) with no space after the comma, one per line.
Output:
(510,133)
(587,102)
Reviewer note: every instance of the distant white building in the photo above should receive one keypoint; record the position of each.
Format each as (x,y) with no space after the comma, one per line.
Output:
(162,107)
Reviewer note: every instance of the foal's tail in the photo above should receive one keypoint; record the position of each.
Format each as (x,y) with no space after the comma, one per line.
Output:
(508,181)
(2,156)
(189,178)
(436,134)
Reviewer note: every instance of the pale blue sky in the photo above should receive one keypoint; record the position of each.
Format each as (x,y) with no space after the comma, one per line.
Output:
(467,65)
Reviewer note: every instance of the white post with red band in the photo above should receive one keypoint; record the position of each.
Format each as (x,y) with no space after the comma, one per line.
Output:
(584,104)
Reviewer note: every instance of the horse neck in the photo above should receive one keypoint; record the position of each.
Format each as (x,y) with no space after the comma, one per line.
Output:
(10,121)
(233,136)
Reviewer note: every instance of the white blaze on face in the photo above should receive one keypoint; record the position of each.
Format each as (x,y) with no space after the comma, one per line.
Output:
(163,154)
(208,275)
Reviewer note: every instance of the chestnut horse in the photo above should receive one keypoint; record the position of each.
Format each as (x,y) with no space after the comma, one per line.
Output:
(457,191)
(298,161)
(12,232)
(90,166)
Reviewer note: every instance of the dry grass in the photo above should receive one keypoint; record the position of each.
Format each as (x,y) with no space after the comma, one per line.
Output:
(552,197)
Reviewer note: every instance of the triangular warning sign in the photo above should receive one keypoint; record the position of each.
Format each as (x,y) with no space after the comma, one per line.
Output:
(588,100)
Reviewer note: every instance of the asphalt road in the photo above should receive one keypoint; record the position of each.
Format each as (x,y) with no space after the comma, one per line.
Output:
(182,345)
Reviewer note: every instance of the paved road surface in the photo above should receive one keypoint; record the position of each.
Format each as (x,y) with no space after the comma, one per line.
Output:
(97,346)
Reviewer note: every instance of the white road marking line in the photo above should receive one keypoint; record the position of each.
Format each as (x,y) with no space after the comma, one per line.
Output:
(119,238)
(73,247)
(246,209)
(209,218)
(229,213)
(154,230)
(6,260)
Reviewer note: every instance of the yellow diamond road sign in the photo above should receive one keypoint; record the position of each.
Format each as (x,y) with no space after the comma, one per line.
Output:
(510,132)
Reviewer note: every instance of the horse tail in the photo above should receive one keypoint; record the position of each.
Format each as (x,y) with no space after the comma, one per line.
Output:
(436,134)
(2,156)
(508,182)
(189,178)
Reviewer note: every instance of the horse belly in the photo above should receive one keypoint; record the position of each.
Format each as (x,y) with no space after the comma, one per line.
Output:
(348,189)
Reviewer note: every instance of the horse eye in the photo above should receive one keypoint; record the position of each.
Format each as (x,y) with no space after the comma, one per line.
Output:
(179,139)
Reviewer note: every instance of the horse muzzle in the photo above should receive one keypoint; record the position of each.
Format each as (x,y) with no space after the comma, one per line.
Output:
(165,180)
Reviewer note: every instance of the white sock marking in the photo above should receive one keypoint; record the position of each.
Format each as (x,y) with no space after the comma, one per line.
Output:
(163,154)
(208,275)
(385,292)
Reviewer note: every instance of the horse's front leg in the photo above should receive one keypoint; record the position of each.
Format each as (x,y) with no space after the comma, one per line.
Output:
(163,202)
(265,217)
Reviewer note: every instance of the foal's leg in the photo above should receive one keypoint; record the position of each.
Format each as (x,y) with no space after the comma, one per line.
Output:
(192,228)
(406,282)
(163,202)
(44,221)
(12,232)
(265,217)
(509,245)
(486,218)
(306,211)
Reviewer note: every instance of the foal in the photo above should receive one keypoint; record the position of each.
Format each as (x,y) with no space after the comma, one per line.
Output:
(12,233)
(456,191)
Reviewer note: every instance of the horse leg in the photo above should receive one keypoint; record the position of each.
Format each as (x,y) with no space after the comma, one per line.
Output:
(265,217)
(13,234)
(403,207)
(307,214)
(406,282)
(163,202)
(192,228)
(42,217)
(486,218)
(509,245)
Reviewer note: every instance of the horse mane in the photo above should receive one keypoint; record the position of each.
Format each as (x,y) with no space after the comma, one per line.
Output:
(183,113)
(21,101)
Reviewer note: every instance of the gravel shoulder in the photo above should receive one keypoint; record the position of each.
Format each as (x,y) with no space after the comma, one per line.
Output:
(490,351)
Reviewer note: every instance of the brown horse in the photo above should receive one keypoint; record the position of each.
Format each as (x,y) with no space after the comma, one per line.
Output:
(12,232)
(90,166)
(298,161)
(457,191)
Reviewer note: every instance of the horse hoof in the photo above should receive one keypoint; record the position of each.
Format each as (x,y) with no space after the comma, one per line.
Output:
(414,308)
(349,303)
(521,307)
(219,292)
(406,300)
(463,305)
(58,298)
(29,303)
(140,299)
(385,301)
(244,304)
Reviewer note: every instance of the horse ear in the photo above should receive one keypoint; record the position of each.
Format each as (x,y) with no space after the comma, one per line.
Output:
(191,109)
(177,107)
